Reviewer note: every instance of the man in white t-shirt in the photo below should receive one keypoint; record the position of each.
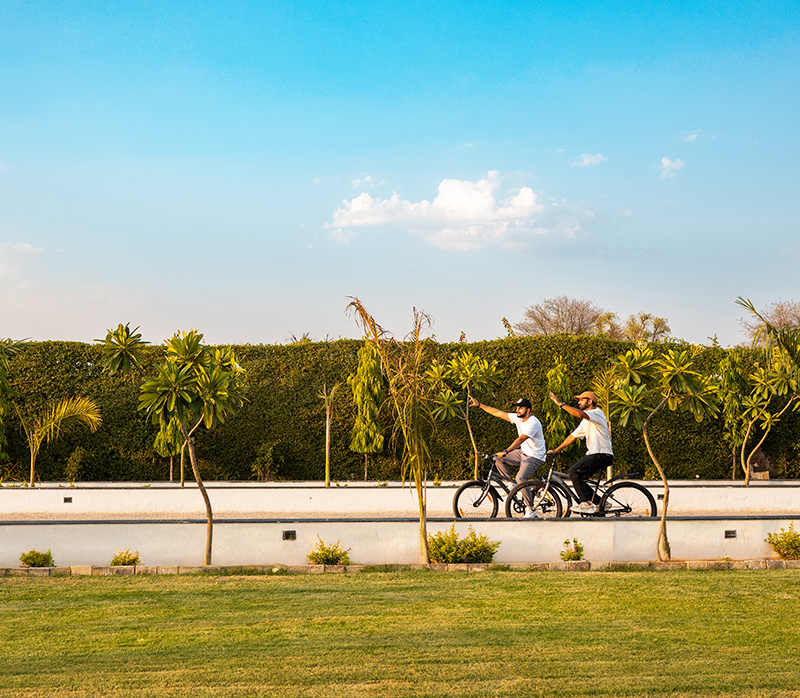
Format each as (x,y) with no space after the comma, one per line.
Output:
(528,450)
(599,454)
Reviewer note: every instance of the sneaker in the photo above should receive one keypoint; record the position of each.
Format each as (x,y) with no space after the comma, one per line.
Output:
(585,508)
(532,514)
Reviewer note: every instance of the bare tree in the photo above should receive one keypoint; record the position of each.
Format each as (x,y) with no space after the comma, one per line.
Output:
(781,315)
(560,315)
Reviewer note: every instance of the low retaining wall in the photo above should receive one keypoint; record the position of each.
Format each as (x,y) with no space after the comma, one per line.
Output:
(381,541)
(350,500)
(279,523)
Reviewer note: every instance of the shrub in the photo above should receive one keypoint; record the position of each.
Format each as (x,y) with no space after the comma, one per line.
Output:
(34,558)
(785,543)
(445,547)
(573,551)
(124,558)
(325,554)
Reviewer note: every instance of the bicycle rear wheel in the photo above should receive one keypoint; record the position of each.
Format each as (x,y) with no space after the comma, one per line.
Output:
(529,496)
(474,501)
(628,499)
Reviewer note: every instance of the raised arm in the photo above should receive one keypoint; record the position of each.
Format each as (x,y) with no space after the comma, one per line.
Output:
(491,410)
(574,411)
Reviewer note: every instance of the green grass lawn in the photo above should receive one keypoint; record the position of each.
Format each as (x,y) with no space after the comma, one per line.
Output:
(731,633)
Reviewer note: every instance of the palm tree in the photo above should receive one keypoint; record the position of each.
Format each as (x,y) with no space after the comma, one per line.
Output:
(48,426)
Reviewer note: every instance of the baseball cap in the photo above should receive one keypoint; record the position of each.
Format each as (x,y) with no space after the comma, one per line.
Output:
(589,394)
(522,402)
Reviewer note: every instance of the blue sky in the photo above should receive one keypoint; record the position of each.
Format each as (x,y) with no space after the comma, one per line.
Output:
(243,167)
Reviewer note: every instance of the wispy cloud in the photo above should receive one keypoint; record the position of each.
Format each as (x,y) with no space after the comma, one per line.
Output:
(669,167)
(366,181)
(690,137)
(12,257)
(464,215)
(587,160)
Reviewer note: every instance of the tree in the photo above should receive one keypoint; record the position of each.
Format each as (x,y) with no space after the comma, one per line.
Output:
(467,373)
(50,424)
(554,417)
(647,385)
(781,315)
(560,315)
(733,389)
(197,385)
(368,395)
(327,398)
(410,398)
(122,349)
(640,327)
(169,443)
(777,380)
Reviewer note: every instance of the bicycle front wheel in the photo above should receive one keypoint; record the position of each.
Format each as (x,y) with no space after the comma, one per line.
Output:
(531,496)
(475,501)
(628,499)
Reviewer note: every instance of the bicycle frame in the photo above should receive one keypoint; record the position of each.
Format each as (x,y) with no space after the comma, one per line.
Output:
(599,487)
(492,477)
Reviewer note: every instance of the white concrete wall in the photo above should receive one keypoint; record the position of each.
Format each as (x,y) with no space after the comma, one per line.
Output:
(353,500)
(381,542)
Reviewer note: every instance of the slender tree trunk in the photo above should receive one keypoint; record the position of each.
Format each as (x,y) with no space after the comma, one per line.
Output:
(744,460)
(206,500)
(171,461)
(366,461)
(328,450)
(664,552)
(183,469)
(472,437)
(747,462)
(424,558)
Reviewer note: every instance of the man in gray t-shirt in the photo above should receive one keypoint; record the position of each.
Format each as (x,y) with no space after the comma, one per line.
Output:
(528,450)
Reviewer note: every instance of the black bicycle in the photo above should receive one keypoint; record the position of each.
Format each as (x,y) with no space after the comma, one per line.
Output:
(552,497)
(480,499)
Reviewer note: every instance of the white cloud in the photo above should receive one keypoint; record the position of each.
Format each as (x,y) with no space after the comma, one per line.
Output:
(587,160)
(689,137)
(668,167)
(366,180)
(464,214)
(12,257)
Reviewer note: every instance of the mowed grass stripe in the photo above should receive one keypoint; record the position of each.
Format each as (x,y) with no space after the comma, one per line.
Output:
(403,634)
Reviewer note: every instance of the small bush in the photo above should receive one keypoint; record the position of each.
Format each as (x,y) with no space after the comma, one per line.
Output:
(573,551)
(325,554)
(34,558)
(785,543)
(445,547)
(124,558)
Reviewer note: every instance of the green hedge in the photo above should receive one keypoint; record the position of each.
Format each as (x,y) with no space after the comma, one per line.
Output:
(280,433)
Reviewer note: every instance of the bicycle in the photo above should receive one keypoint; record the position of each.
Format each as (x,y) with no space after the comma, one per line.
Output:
(479,499)
(552,497)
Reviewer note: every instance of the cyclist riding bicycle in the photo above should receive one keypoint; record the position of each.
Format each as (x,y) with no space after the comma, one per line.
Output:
(599,454)
(528,450)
